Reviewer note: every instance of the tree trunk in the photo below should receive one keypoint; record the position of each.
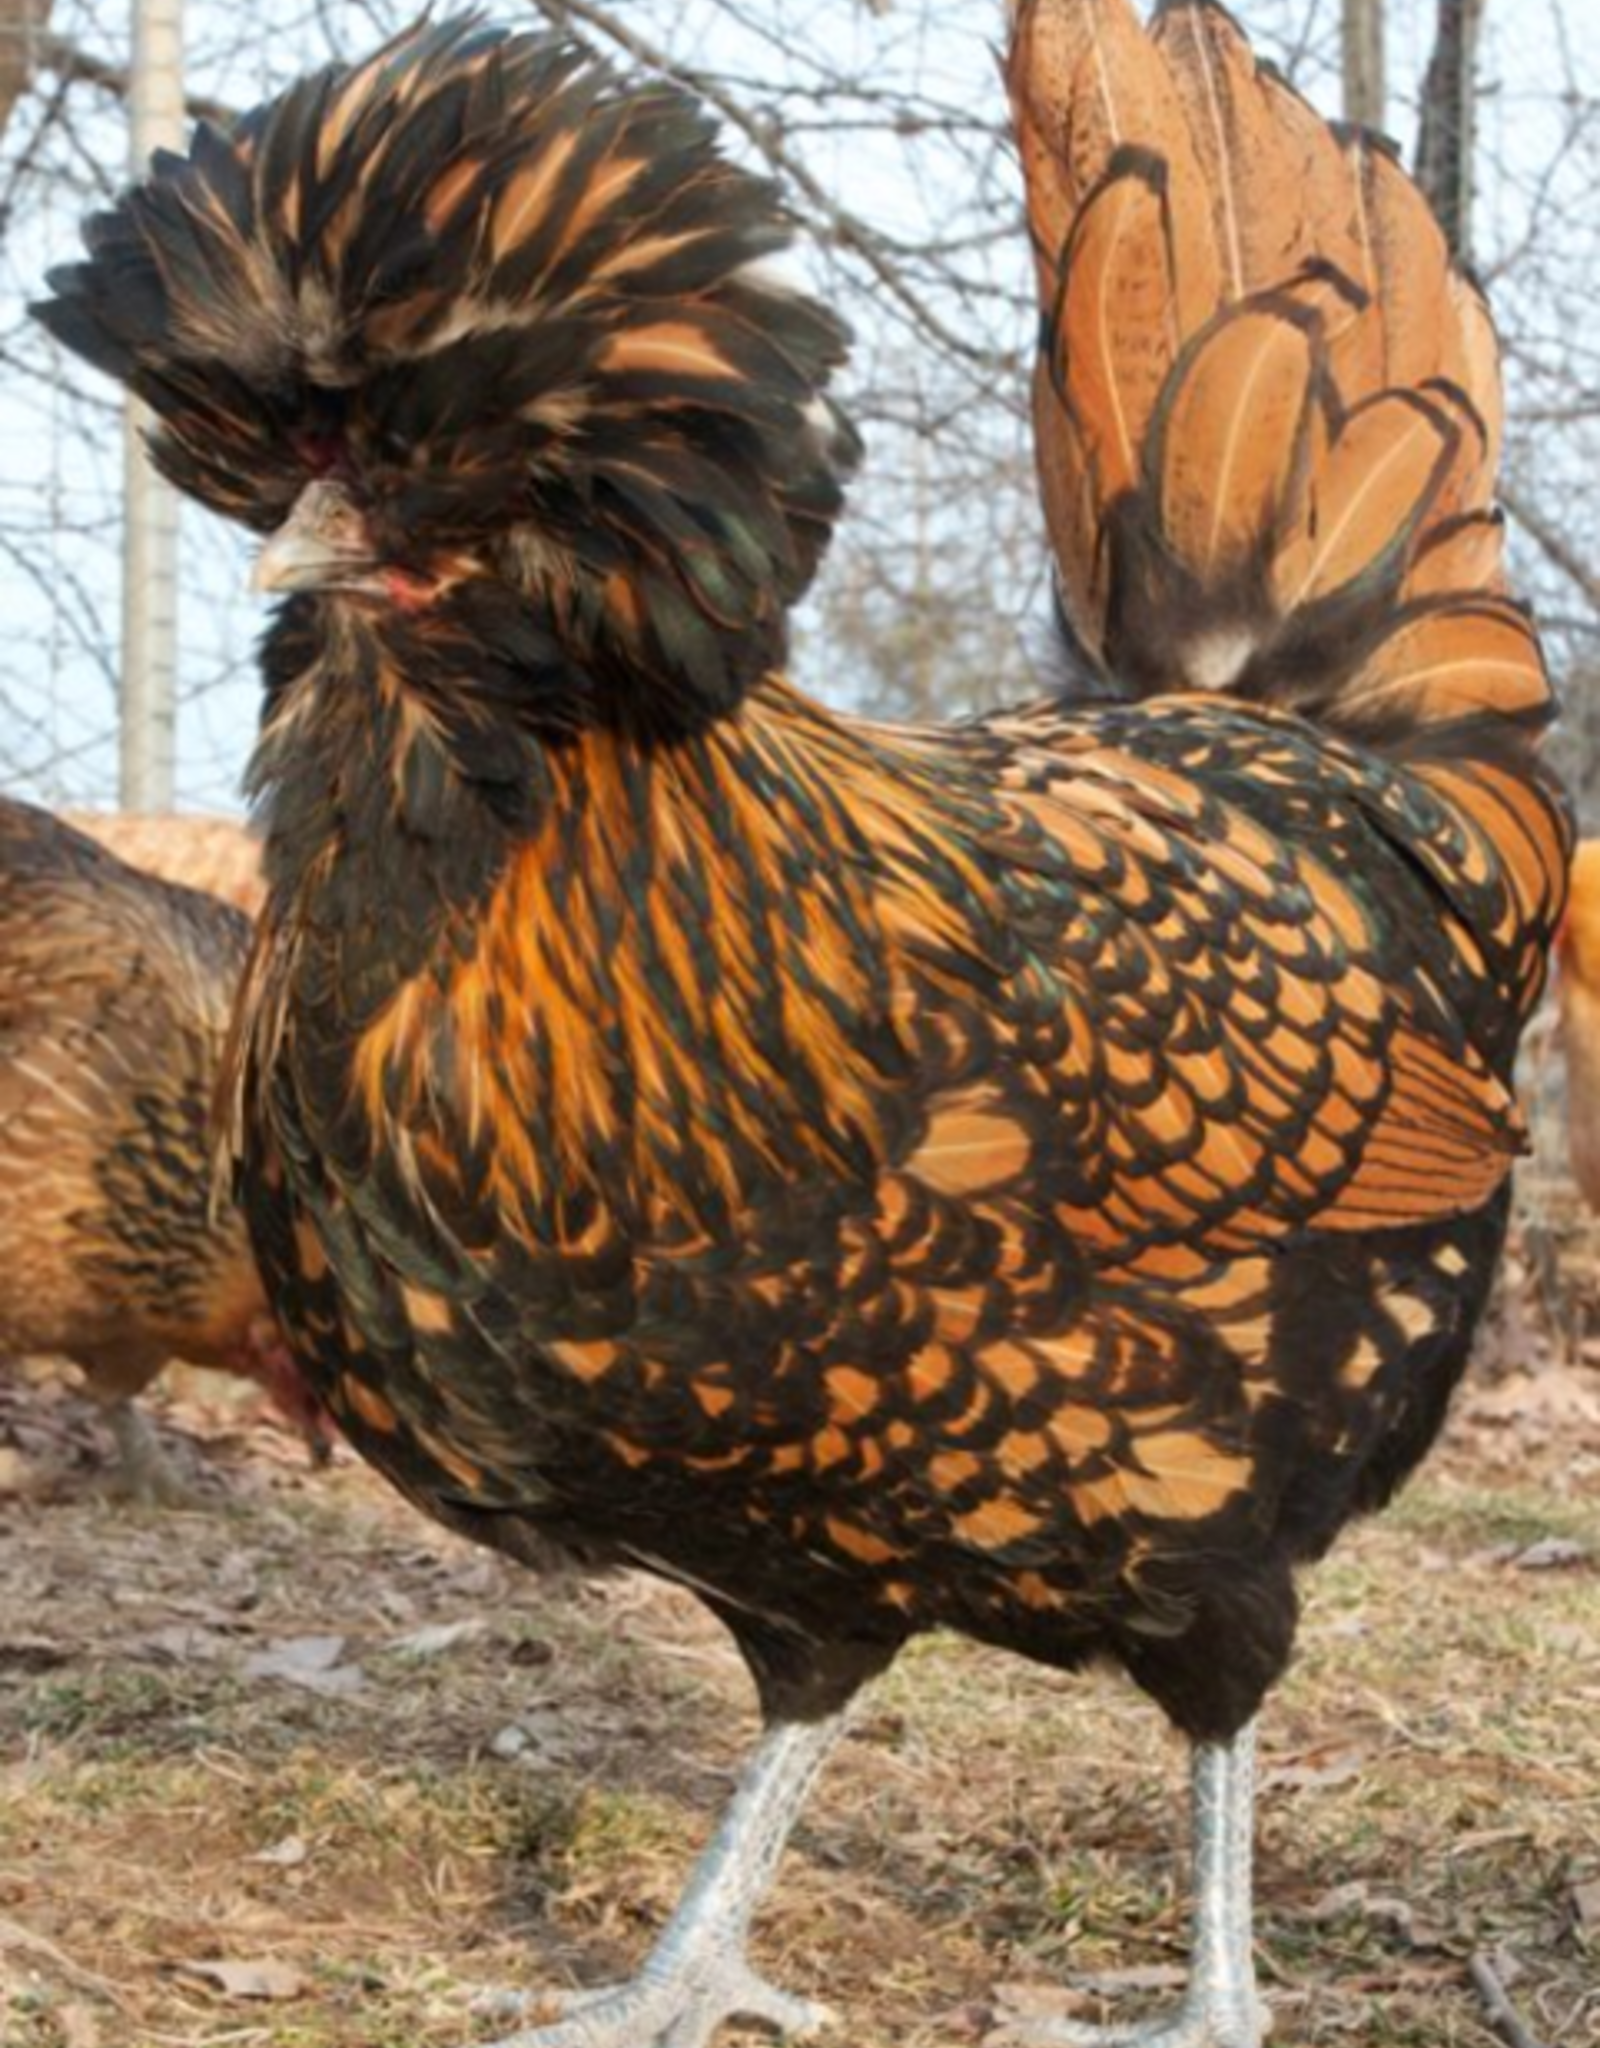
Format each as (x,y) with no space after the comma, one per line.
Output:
(1364,90)
(1447,138)
(22,23)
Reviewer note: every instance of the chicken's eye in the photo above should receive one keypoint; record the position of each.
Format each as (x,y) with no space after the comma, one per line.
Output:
(411,590)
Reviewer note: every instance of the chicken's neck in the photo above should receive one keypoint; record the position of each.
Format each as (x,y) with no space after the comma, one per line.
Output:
(391,799)
(591,941)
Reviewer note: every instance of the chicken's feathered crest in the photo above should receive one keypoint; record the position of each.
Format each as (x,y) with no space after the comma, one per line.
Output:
(515,304)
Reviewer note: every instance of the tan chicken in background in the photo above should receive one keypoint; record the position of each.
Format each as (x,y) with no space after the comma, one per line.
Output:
(1578,993)
(218,855)
(115,991)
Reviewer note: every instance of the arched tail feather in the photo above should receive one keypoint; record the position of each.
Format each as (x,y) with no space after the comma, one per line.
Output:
(1267,405)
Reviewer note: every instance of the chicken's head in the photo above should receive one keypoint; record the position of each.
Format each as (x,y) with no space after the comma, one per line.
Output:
(476,319)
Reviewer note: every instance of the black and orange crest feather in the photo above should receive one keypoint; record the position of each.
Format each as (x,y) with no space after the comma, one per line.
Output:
(516,304)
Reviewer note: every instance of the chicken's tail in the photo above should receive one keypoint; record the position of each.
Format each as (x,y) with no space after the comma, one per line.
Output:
(1267,405)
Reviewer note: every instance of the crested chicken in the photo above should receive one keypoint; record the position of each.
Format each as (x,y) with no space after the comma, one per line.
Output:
(217,856)
(1036,1177)
(115,993)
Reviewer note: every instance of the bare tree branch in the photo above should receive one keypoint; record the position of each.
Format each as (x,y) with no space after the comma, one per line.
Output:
(1447,140)
(847,230)
(22,23)
(71,62)
(1552,543)
(1365,93)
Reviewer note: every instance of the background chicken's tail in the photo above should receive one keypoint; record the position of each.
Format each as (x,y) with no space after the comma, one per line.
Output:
(1267,405)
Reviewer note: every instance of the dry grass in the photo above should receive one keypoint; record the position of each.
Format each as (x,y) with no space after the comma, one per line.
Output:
(1432,1788)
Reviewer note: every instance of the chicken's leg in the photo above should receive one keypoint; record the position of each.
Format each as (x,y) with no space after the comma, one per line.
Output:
(1220,2008)
(144,1472)
(697,1975)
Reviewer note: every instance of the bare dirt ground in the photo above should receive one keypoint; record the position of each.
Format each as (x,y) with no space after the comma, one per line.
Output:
(296,1770)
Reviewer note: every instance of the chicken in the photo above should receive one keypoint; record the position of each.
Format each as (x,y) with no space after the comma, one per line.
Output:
(1036,1177)
(1578,988)
(115,992)
(215,855)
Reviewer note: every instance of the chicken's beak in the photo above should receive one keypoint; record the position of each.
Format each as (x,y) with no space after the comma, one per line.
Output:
(322,545)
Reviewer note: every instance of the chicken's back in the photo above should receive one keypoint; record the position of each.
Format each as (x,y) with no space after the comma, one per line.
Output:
(115,991)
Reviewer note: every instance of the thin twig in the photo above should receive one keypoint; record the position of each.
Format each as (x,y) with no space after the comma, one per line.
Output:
(1551,542)
(1497,2004)
(70,60)
(845,229)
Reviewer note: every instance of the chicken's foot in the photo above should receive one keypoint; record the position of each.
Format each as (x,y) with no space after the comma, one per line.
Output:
(697,1976)
(1220,2008)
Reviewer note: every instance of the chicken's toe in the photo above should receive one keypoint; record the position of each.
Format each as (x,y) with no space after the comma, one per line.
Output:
(683,2011)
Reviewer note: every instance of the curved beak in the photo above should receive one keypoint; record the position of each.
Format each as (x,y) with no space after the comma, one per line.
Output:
(322,545)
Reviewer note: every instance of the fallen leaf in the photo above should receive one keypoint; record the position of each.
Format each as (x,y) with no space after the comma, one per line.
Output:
(1338,1904)
(311,1662)
(296,1653)
(539,1737)
(969,2022)
(288,1854)
(1317,1769)
(237,1579)
(1551,1554)
(183,1643)
(1393,1915)
(1484,1838)
(1403,1922)
(1024,2012)
(434,1640)
(1137,1977)
(245,1979)
(1020,2007)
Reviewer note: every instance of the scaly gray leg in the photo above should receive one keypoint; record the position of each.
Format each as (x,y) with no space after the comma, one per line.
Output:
(697,1975)
(144,1472)
(1220,2008)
